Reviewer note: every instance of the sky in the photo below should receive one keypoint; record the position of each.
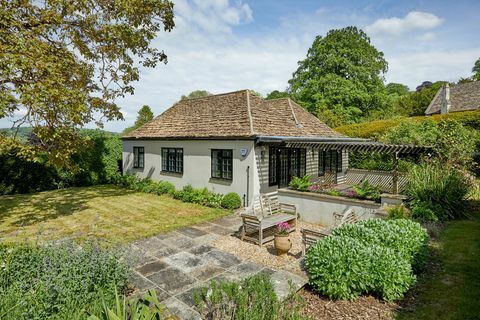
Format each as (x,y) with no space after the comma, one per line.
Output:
(229,45)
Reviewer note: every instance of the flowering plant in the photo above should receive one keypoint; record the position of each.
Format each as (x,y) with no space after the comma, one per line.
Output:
(283,228)
(350,193)
(315,188)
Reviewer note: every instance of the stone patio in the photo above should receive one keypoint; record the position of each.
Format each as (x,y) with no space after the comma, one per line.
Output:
(177,263)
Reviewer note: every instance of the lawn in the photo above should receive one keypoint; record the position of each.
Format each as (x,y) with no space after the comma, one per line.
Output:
(451,288)
(108,212)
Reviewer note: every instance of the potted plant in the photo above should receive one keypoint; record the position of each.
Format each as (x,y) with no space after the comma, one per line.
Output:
(282,241)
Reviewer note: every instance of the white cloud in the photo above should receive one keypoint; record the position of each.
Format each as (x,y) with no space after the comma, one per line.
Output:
(427,36)
(435,65)
(414,20)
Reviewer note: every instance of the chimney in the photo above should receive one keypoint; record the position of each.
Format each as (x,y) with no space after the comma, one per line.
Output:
(445,107)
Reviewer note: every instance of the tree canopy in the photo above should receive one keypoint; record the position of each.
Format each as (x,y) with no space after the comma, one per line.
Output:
(341,79)
(145,115)
(275,94)
(476,70)
(64,62)
(196,94)
(415,103)
(397,89)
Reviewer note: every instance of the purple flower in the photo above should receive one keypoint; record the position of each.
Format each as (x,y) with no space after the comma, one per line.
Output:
(283,228)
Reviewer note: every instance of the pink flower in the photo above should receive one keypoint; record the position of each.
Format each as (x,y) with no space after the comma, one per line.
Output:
(283,228)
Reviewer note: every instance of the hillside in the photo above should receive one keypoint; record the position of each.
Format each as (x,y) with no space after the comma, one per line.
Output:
(375,128)
(24,132)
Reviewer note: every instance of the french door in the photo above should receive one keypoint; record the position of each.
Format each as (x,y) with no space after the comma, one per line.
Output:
(285,163)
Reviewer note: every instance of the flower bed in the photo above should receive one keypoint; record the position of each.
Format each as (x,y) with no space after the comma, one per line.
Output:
(362,191)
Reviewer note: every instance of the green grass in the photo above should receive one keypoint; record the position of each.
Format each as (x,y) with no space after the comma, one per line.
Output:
(114,214)
(452,291)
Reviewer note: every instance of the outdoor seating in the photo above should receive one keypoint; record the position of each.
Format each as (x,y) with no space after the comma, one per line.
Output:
(265,213)
(309,236)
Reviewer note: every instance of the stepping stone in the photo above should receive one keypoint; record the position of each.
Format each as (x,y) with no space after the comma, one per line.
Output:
(222,259)
(188,297)
(172,280)
(180,242)
(207,272)
(181,310)
(192,232)
(201,249)
(165,251)
(152,267)
(245,270)
(140,282)
(184,261)
(285,282)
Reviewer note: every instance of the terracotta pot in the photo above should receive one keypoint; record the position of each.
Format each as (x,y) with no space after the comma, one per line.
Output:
(282,244)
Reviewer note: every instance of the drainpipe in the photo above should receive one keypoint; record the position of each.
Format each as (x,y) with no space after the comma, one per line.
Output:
(248,183)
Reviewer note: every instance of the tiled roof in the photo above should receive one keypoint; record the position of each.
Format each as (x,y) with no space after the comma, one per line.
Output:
(239,114)
(463,97)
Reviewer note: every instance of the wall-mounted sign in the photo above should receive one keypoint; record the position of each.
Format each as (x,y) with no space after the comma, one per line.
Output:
(243,152)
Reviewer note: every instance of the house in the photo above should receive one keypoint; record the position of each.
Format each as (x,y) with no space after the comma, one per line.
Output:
(459,97)
(234,142)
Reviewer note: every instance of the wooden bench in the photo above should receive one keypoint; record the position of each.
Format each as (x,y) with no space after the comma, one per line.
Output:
(309,236)
(265,213)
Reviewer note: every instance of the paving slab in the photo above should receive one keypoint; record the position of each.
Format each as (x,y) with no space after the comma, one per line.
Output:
(192,232)
(201,249)
(151,267)
(206,272)
(181,310)
(180,242)
(245,270)
(222,259)
(188,297)
(164,251)
(142,283)
(172,280)
(185,261)
(285,282)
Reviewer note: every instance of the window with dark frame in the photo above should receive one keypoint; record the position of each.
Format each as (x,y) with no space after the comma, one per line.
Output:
(328,161)
(138,157)
(222,164)
(294,164)
(172,160)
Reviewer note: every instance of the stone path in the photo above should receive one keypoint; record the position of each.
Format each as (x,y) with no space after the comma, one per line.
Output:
(177,263)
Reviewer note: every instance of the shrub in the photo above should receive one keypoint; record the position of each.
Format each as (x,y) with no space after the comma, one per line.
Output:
(60,281)
(165,187)
(437,189)
(231,201)
(398,212)
(366,190)
(342,267)
(253,298)
(300,183)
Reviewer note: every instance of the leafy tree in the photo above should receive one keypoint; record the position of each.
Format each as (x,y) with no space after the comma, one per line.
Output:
(275,94)
(341,79)
(415,103)
(64,62)
(196,94)
(145,115)
(397,89)
(476,70)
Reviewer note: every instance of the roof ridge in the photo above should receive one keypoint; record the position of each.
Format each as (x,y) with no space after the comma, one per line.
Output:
(214,95)
(293,113)
(249,111)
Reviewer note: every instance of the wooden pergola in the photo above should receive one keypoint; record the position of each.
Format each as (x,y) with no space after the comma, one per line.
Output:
(352,145)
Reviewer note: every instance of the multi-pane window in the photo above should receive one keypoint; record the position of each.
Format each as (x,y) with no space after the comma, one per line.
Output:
(138,157)
(285,163)
(222,164)
(328,161)
(172,160)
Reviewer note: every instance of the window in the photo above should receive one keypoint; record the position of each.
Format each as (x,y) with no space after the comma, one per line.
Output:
(138,157)
(329,161)
(285,163)
(172,160)
(222,164)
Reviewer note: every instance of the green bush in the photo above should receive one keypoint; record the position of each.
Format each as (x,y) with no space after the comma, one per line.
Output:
(165,187)
(231,201)
(398,212)
(342,267)
(366,190)
(251,299)
(300,183)
(60,281)
(438,189)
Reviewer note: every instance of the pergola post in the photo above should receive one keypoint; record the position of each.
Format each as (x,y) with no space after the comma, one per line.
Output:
(395,173)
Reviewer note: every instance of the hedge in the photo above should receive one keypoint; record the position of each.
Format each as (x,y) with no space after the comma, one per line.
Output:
(376,128)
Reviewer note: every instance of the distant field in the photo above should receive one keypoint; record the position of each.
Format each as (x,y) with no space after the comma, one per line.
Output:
(108,212)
